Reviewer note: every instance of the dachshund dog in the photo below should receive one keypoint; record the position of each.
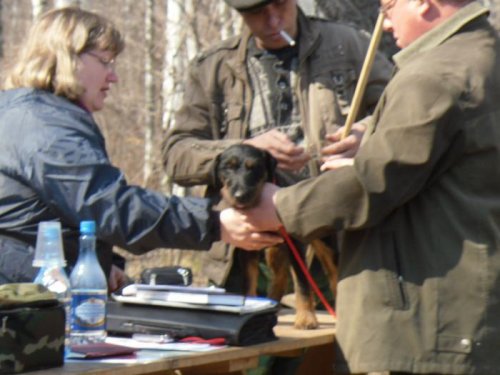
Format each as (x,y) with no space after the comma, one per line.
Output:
(240,173)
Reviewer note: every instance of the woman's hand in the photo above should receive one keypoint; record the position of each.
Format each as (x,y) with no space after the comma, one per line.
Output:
(117,279)
(236,230)
(255,228)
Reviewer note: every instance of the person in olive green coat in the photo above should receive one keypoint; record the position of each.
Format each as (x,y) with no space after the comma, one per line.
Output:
(419,273)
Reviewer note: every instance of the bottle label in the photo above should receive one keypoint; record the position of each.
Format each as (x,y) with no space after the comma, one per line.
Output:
(88,310)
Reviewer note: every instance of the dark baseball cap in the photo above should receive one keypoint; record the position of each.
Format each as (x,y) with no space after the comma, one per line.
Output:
(246,5)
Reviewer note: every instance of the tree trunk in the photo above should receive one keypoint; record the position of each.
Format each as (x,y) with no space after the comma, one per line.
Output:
(230,21)
(175,61)
(1,31)
(190,40)
(149,91)
(66,3)
(38,7)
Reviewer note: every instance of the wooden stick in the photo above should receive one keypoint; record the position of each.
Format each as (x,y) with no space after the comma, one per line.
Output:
(363,77)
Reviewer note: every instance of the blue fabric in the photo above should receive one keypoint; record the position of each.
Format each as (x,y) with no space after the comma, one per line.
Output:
(54,166)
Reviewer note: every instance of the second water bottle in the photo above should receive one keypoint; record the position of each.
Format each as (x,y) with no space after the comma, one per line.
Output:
(89,291)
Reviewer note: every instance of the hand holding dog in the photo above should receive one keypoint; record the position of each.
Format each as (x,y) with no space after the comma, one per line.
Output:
(254,228)
(340,152)
(288,155)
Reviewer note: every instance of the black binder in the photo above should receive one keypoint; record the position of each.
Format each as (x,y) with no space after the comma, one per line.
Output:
(238,329)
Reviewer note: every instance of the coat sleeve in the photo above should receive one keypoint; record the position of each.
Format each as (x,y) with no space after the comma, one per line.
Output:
(191,146)
(413,132)
(74,177)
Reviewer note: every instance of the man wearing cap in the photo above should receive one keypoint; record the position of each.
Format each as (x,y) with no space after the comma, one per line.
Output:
(285,85)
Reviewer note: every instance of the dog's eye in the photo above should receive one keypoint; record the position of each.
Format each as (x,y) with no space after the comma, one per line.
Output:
(250,164)
(233,163)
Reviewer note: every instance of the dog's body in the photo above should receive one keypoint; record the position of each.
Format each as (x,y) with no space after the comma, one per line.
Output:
(240,172)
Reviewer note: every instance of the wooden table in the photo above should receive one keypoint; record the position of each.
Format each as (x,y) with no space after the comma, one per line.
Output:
(315,345)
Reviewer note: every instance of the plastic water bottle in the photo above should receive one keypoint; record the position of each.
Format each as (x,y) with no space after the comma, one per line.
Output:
(89,291)
(49,256)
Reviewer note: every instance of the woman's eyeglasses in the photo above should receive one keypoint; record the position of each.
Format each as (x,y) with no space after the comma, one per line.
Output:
(108,64)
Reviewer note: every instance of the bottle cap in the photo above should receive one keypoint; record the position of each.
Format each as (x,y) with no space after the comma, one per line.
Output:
(49,248)
(87,227)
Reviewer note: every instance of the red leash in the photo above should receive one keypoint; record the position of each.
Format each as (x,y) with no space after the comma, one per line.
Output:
(307,274)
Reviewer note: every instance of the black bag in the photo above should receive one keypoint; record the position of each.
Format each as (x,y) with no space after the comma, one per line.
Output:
(31,328)
(237,329)
(172,275)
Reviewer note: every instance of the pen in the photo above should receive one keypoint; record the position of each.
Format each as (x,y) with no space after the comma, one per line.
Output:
(287,37)
(199,340)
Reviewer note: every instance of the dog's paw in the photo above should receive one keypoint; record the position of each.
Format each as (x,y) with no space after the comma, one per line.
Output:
(306,320)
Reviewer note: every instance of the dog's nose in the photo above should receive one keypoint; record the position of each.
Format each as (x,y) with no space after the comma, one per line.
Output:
(239,194)
(242,196)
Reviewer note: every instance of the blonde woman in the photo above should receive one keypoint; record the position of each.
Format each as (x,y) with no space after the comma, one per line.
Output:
(53,160)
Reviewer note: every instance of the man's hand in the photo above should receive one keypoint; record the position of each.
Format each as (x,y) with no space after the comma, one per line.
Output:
(340,152)
(289,156)
(255,228)
(332,164)
(344,148)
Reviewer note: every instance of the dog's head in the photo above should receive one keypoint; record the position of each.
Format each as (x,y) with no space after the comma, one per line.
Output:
(240,172)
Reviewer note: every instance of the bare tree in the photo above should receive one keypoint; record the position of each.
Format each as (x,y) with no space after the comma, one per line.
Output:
(230,21)
(149,90)
(66,3)
(1,31)
(38,7)
(311,7)
(173,67)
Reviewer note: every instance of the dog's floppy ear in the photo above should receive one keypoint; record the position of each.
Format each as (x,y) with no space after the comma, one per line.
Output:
(271,165)
(215,181)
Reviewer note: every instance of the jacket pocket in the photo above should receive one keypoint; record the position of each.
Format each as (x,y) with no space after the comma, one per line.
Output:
(231,123)
(342,82)
(329,104)
(397,296)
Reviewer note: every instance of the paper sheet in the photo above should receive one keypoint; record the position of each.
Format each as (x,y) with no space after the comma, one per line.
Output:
(175,346)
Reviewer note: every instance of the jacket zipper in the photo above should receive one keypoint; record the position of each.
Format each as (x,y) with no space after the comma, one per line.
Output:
(400,280)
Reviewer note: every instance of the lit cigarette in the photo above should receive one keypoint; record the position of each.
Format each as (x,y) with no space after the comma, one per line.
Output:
(287,37)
